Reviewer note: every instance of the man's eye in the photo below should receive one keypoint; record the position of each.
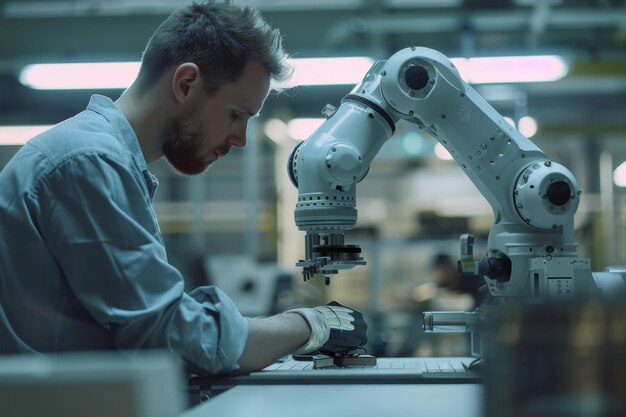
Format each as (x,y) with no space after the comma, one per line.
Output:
(234,115)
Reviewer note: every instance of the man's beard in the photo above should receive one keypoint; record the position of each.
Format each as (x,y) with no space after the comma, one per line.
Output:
(183,147)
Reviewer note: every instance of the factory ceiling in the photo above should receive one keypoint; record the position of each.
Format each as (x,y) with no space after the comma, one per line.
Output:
(589,34)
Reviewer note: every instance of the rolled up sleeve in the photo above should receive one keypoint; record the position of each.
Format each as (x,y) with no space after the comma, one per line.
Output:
(103,233)
(233,330)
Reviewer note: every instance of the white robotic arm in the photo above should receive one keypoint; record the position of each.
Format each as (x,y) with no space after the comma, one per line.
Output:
(531,248)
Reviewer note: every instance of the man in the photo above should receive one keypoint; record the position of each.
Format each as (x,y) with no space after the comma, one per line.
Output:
(82,261)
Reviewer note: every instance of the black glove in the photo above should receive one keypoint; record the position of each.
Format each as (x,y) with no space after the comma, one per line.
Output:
(334,328)
(348,329)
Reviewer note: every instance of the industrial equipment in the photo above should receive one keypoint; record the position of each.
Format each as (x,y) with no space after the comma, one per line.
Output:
(531,249)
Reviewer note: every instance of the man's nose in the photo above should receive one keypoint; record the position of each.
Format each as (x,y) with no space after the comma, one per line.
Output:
(239,136)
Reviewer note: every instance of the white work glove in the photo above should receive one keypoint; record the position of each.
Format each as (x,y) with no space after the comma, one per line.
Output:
(334,328)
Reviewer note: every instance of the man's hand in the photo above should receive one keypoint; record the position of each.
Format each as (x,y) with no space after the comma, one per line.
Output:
(348,329)
(334,328)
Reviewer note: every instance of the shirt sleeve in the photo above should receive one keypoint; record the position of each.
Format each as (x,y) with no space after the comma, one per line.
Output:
(101,228)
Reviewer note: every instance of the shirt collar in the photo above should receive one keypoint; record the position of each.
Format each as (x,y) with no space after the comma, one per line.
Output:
(126,135)
(108,109)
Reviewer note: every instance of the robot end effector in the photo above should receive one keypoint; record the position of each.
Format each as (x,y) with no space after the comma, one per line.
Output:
(326,168)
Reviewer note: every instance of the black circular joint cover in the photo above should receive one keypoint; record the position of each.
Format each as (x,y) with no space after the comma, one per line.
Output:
(292,175)
(559,193)
(416,77)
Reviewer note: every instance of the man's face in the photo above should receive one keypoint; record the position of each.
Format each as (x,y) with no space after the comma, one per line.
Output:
(197,138)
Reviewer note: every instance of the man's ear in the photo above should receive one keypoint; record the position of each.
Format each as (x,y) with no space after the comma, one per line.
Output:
(186,81)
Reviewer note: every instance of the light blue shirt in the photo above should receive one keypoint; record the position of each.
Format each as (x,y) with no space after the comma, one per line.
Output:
(82,260)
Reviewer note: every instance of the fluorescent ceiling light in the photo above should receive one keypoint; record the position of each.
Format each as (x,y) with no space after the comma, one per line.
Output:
(120,75)
(19,135)
(307,71)
(511,69)
(300,129)
(92,75)
(328,71)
